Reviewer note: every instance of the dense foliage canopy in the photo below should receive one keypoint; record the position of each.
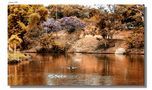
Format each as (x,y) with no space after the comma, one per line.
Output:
(32,23)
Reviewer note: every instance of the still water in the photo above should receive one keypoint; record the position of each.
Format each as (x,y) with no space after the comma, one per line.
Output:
(78,69)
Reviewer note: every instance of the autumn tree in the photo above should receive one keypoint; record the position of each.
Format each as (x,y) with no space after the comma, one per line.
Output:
(136,40)
(43,12)
(22,18)
(60,11)
(14,42)
(18,17)
(34,30)
(131,15)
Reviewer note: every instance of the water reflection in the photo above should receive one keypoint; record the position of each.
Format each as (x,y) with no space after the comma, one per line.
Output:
(79,69)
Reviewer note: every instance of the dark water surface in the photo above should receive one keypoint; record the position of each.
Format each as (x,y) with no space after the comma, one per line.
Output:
(78,69)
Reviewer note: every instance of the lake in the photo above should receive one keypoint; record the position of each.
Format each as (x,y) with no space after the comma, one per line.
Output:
(78,70)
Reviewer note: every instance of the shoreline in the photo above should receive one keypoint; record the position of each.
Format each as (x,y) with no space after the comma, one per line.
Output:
(15,61)
(135,53)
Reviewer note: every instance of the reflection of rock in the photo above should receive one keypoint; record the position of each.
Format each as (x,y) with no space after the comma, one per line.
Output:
(120,51)
(120,57)
(77,57)
(77,60)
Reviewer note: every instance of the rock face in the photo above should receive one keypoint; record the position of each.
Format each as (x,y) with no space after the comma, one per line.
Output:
(120,51)
(86,44)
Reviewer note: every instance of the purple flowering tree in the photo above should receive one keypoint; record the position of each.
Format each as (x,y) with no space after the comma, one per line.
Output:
(67,23)
(52,25)
(71,23)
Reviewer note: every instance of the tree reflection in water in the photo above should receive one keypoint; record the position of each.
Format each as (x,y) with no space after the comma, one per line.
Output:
(79,69)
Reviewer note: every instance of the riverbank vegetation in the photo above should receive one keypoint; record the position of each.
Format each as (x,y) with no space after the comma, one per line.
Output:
(76,28)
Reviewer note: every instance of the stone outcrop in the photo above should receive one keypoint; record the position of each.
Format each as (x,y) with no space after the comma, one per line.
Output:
(120,51)
(88,44)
